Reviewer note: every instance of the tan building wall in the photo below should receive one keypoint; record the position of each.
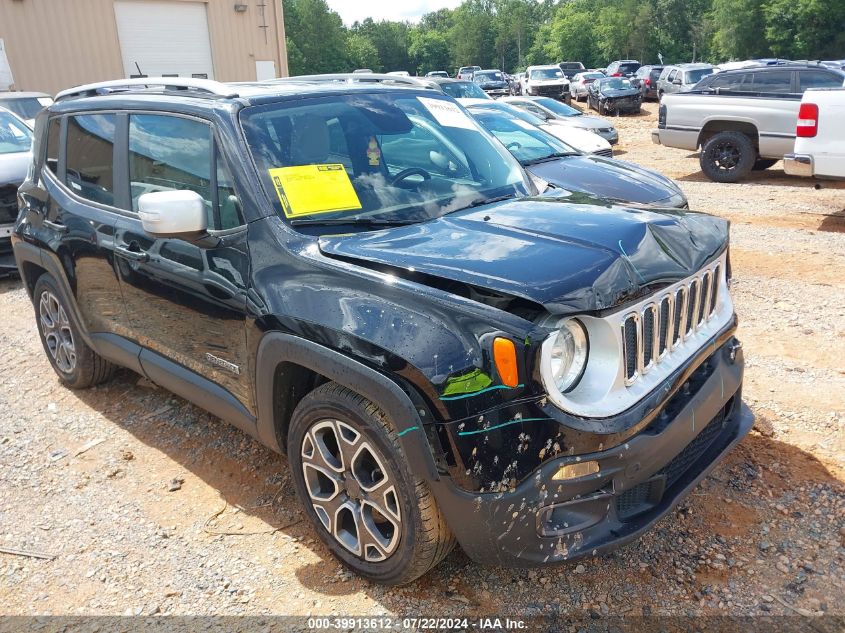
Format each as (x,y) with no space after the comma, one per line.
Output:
(57,44)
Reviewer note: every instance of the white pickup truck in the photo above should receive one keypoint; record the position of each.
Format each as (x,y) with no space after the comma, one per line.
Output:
(741,119)
(819,136)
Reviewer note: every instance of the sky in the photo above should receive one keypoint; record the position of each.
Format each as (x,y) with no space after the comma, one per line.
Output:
(412,10)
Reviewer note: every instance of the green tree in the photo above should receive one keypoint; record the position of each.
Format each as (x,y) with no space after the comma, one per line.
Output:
(429,50)
(362,53)
(472,37)
(316,35)
(740,29)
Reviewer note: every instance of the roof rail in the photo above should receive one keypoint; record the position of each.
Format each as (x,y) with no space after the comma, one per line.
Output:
(207,86)
(353,78)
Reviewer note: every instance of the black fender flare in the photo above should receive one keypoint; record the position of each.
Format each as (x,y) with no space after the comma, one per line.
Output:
(277,347)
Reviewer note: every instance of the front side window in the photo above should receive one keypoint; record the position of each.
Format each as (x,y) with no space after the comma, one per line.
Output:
(168,153)
(90,154)
(15,137)
(376,157)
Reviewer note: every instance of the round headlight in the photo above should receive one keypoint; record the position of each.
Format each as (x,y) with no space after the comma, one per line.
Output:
(568,355)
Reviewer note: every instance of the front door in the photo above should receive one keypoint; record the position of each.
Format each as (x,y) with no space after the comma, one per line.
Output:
(186,301)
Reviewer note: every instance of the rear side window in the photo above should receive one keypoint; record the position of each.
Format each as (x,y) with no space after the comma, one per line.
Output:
(53,133)
(169,153)
(90,152)
(818,79)
(776,82)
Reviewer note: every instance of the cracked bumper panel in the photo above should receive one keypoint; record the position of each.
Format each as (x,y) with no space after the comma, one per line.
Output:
(543,520)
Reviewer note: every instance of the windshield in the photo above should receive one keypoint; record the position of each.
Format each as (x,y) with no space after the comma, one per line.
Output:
(528,144)
(694,76)
(25,108)
(463,90)
(15,137)
(561,109)
(376,158)
(629,67)
(615,83)
(487,76)
(546,73)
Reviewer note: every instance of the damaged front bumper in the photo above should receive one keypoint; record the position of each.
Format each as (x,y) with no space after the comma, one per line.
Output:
(627,488)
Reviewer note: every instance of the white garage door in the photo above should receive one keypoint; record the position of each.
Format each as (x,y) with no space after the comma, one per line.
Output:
(164,38)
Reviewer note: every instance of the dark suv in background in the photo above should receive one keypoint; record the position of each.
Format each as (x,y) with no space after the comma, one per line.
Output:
(622,68)
(646,80)
(360,276)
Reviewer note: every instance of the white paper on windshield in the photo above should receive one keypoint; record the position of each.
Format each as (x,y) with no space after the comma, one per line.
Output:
(45,101)
(447,114)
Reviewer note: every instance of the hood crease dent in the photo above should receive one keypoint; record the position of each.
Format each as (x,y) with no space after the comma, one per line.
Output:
(564,256)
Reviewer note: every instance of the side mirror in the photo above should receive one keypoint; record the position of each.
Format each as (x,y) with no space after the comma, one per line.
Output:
(677,82)
(173,213)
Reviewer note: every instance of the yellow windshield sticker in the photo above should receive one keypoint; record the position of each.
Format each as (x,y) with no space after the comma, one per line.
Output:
(312,189)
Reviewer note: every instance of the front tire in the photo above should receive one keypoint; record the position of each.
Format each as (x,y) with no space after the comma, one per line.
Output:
(76,364)
(727,156)
(353,480)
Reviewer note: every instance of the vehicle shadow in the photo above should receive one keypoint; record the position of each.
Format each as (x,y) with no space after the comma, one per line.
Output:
(10,283)
(255,480)
(833,222)
(774,176)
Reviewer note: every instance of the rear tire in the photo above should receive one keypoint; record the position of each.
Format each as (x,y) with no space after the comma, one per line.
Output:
(352,478)
(727,156)
(76,364)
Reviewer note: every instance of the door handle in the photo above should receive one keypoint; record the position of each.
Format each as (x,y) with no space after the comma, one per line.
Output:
(56,226)
(132,256)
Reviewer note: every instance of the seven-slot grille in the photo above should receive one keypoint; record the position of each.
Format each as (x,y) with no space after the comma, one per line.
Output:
(651,333)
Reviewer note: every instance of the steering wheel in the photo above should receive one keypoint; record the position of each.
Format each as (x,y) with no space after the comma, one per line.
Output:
(419,171)
(514,145)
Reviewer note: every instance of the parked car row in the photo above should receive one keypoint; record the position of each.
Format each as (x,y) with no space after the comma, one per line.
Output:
(459,329)
(747,118)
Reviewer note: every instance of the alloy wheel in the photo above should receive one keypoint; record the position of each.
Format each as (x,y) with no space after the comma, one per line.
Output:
(57,333)
(726,155)
(351,491)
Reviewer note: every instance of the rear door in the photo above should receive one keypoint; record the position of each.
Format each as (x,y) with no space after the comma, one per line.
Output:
(186,300)
(73,209)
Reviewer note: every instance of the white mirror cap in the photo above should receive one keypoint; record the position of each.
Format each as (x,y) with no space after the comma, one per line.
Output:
(172,212)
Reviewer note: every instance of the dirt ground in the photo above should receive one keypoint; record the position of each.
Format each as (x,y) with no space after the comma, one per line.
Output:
(88,477)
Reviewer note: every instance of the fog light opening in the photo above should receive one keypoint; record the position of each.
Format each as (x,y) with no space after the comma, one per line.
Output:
(576,470)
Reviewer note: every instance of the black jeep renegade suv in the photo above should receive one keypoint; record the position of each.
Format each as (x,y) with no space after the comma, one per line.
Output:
(361,277)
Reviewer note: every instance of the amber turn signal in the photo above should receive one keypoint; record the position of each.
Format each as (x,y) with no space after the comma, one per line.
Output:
(504,355)
(578,469)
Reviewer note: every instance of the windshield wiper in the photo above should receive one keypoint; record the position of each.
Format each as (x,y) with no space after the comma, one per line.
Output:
(545,159)
(483,201)
(369,222)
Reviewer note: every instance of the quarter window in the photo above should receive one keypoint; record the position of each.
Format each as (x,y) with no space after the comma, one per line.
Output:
(90,153)
(818,79)
(53,137)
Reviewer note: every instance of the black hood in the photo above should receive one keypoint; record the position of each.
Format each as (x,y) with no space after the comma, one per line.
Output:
(609,178)
(567,257)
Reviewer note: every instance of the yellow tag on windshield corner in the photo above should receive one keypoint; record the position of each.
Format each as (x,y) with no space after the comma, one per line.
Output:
(311,189)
